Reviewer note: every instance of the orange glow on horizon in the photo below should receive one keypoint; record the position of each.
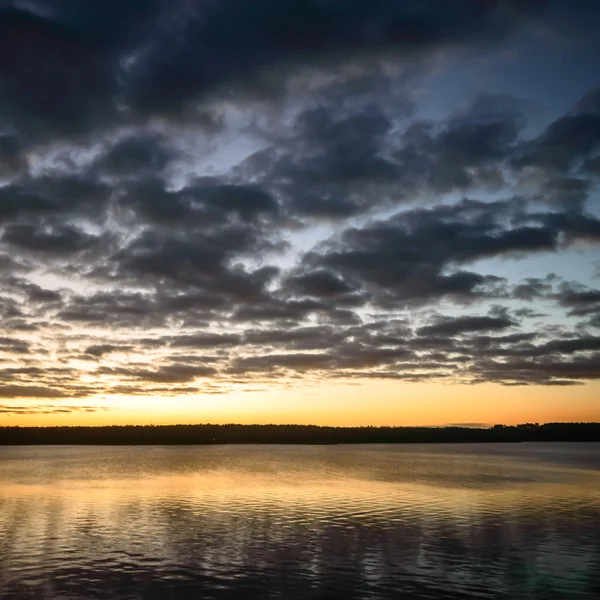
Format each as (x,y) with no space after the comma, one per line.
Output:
(341,404)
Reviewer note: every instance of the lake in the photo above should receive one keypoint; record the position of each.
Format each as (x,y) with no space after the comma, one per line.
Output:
(513,521)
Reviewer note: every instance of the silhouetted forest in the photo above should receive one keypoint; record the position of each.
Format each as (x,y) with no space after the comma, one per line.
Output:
(296,434)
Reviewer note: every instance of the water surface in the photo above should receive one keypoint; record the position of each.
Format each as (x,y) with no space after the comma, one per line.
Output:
(513,521)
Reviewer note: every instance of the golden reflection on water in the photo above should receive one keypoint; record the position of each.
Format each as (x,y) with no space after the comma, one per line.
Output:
(344,521)
(330,497)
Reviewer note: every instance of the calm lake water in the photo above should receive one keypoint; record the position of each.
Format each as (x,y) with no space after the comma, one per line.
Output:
(512,521)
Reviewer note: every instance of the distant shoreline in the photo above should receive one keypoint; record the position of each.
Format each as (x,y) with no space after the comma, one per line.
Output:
(209,434)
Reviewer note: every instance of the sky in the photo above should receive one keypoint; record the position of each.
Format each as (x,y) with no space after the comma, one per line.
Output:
(341,212)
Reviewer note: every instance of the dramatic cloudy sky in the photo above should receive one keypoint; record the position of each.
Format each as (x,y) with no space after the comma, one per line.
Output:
(329,211)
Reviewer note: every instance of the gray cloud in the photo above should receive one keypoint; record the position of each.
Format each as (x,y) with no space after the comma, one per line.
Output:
(466,325)
(135,237)
(104,62)
(49,409)
(26,391)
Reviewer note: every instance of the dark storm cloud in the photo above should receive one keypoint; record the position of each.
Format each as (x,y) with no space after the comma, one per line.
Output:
(136,156)
(169,374)
(90,64)
(57,239)
(333,158)
(150,308)
(541,371)
(71,66)
(571,346)
(198,259)
(522,347)
(407,258)
(515,359)
(453,326)
(339,162)
(580,301)
(58,195)
(567,143)
(465,152)
(193,236)
(205,340)
(204,51)
(298,339)
(320,284)
(295,361)
(534,287)
(116,214)
(575,227)
(12,158)
(99,350)
(206,202)
(275,309)
(353,356)
(59,72)
(570,192)
(112,308)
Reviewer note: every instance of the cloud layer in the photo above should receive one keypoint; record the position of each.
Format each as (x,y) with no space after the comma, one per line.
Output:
(197,197)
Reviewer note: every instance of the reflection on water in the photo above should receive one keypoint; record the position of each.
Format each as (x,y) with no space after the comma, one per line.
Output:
(491,521)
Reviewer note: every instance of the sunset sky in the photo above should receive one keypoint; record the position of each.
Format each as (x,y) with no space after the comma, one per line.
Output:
(337,212)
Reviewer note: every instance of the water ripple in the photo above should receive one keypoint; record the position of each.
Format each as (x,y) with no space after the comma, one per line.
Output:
(499,522)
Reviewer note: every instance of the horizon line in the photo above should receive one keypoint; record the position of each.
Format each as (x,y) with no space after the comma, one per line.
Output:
(232,424)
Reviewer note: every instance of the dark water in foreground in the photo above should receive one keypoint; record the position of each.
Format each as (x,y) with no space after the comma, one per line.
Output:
(257,522)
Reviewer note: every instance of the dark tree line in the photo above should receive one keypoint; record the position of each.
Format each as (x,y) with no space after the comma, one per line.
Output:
(295,434)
